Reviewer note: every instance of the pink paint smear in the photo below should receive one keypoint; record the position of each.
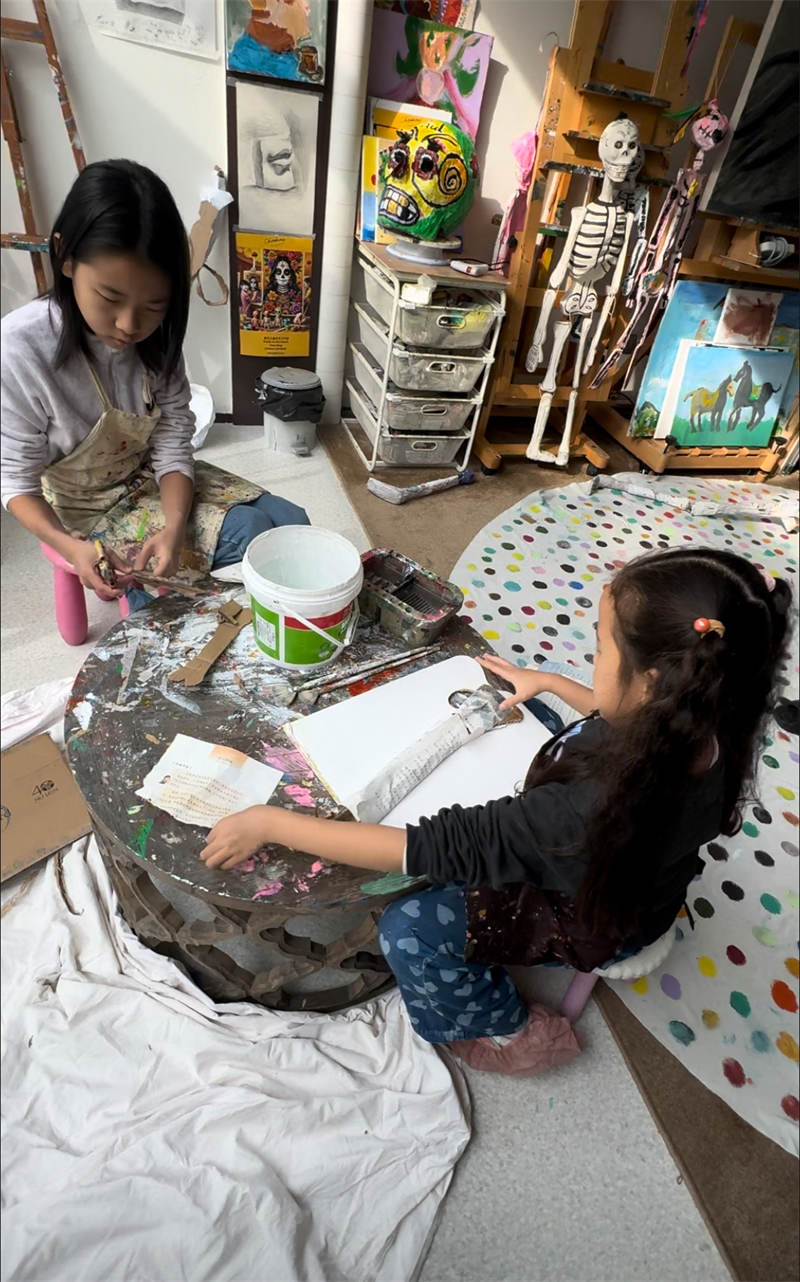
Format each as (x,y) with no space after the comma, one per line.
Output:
(269,888)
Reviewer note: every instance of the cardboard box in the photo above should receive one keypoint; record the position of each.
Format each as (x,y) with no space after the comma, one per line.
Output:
(41,808)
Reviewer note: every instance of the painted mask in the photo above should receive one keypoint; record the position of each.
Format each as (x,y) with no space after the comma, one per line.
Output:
(619,149)
(273,155)
(428,179)
(709,129)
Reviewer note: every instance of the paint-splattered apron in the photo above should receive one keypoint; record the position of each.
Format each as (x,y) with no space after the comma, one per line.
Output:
(105,488)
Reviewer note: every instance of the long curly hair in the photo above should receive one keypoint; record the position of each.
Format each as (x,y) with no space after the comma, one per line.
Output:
(706,691)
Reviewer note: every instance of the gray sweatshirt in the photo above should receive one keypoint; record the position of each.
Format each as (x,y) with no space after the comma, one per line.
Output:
(46,412)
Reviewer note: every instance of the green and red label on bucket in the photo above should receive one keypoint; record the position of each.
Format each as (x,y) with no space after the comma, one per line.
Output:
(303,584)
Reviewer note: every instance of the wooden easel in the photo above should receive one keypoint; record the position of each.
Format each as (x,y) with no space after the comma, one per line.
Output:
(727,251)
(40,33)
(584,92)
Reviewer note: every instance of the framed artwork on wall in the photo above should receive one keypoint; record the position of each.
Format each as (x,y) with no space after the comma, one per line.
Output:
(277,39)
(273,282)
(176,26)
(276,147)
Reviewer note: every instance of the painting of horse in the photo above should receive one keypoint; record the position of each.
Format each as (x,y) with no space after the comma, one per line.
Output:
(727,396)
(703,401)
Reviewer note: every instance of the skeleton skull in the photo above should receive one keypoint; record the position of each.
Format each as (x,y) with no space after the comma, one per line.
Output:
(282,276)
(273,154)
(619,150)
(710,129)
(429,181)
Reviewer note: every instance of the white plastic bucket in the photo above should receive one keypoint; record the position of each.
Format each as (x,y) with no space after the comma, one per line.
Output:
(303,584)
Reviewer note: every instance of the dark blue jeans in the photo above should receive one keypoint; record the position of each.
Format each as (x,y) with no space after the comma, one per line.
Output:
(241,525)
(423,938)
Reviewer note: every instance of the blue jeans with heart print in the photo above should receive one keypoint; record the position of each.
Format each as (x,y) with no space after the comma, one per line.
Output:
(423,938)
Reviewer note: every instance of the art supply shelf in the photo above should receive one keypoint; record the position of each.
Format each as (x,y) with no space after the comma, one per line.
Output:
(421,368)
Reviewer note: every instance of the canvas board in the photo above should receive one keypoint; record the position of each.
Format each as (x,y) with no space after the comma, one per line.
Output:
(350,742)
(748,317)
(725,396)
(277,39)
(276,145)
(429,64)
(693,311)
(174,26)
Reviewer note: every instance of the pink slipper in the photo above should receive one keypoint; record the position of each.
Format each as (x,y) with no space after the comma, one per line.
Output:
(547,1040)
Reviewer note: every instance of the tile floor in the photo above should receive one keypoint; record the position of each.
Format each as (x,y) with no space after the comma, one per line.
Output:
(566,1178)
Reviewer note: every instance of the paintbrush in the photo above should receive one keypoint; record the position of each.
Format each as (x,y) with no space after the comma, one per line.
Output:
(312,690)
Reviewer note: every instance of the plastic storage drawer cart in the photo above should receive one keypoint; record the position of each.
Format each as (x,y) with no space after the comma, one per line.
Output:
(420,370)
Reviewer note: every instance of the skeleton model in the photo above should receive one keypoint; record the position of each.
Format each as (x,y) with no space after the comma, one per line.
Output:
(595,249)
(658,268)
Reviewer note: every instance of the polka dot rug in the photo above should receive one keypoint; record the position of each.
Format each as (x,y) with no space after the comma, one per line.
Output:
(725,1001)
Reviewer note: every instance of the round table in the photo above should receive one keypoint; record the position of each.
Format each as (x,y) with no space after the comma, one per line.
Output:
(284,930)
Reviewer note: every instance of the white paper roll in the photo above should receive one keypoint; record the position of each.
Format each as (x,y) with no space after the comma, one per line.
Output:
(351,62)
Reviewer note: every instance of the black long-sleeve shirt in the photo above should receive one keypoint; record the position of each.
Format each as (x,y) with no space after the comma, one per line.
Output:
(538,838)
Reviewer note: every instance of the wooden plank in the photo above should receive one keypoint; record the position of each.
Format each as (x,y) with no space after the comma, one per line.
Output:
(16,29)
(668,82)
(590,23)
(21,240)
(10,126)
(618,73)
(598,90)
(728,270)
(60,85)
(658,456)
(579,136)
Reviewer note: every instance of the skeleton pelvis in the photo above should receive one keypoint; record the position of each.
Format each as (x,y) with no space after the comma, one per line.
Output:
(579,300)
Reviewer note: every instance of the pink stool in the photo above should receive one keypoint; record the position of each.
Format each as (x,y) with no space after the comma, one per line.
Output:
(633,967)
(71,617)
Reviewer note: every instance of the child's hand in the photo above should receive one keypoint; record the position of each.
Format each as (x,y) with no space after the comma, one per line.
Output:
(164,548)
(527,682)
(235,838)
(83,556)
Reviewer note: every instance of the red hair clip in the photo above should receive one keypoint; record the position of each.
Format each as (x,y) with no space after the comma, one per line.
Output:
(709,625)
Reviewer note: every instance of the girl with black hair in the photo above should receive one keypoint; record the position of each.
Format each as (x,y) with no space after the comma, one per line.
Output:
(96,420)
(594,856)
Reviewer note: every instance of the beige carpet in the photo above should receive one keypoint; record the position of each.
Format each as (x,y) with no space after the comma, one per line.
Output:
(745,1186)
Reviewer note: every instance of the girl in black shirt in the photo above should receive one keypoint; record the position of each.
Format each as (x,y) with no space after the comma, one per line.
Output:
(594,857)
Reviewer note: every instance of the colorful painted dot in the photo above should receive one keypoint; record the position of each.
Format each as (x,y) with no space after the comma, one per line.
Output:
(734,1072)
(732,890)
(640,985)
(511,586)
(783,996)
(788,1046)
(770,903)
(710,1018)
(771,762)
(793,966)
(750,829)
(786,793)
(792,898)
(735,955)
(670,987)
(703,908)
(740,1004)
(791,1107)
(760,1042)
(681,1032)
(706,966)
(765,936)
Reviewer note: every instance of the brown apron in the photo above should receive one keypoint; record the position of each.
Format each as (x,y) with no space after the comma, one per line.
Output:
(105,488)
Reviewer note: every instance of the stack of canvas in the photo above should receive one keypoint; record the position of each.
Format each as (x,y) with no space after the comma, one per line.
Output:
(722,368)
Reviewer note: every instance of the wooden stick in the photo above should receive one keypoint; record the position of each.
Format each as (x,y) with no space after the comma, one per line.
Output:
(319,687)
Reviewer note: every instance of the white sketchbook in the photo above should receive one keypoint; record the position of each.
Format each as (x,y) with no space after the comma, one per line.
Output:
(349,743)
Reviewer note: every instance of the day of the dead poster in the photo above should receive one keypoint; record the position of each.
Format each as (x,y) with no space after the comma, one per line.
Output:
(273,280)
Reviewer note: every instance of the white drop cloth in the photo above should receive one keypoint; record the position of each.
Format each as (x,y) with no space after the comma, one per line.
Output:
(151,1135)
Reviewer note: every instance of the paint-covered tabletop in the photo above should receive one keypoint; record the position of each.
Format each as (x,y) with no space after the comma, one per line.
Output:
(124,712)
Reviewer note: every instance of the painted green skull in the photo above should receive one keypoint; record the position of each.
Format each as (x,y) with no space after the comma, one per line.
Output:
(428,178)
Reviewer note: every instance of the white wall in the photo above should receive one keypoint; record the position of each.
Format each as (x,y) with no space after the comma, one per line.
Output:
(164,110)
